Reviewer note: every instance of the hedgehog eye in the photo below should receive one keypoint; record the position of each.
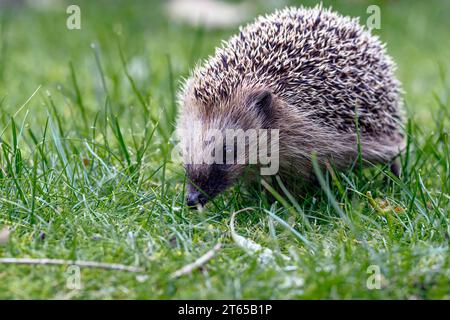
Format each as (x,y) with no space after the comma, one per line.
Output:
(227,150)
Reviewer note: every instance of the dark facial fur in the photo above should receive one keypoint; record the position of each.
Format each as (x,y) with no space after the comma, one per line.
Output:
(205,182)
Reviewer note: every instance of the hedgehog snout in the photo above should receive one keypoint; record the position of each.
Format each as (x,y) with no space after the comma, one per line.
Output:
(200,196)
(195,198)
(205,183)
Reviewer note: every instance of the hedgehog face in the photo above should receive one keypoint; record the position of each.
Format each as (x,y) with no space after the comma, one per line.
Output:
(218,141)
(214,167)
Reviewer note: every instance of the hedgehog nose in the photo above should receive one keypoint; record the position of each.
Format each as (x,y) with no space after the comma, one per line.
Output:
(196,197)
(192,198)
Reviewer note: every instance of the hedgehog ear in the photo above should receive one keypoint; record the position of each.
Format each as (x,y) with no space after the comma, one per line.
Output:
(262,101)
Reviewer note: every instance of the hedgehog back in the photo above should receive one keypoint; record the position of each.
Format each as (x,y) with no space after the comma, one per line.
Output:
(324,64)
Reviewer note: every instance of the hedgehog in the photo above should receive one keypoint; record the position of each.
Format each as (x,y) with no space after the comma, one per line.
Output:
(323,81)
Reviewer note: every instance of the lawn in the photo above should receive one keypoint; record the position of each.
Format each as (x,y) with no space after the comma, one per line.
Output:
(87,173)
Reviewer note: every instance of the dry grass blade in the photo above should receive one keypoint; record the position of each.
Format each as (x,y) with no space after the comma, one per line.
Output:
(197,263)
(61,262)
(4,235)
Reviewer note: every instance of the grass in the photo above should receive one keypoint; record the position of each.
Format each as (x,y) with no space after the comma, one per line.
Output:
(86,122)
